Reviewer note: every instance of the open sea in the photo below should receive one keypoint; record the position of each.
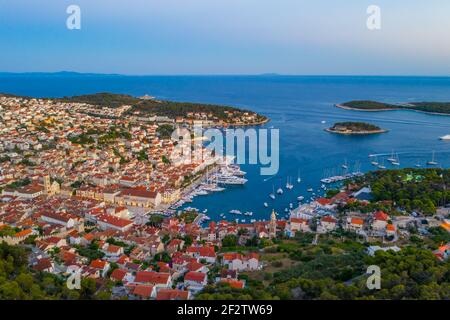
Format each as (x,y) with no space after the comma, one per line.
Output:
(296,105)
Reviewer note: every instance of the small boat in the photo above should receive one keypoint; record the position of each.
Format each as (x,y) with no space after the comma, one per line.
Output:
(280,190)
(291,205)
(286,210)
(396,161)
(392,158)
(433,161)
(300,198)
(299,179)
(382,166)
(266,205)
(418,165)
(310,190)
(272,195)
(323,122)
(345,165)
(375,162)
(446,137)
(289,185)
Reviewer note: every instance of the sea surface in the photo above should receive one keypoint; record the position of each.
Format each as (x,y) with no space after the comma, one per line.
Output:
(297,106)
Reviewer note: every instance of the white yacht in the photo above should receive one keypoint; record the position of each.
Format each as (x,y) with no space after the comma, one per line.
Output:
(272,195)
(392,157)
(266,205)
(446,137)
(382,166)
(375,162)
(300,198)
(289,185)
(396,161)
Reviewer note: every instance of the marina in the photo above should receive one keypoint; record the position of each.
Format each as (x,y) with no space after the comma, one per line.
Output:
(305,150)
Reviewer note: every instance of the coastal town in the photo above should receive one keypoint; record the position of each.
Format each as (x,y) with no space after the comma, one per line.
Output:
(93,192)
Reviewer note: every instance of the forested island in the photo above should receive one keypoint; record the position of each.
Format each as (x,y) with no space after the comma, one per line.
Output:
(355,128)
(367,105)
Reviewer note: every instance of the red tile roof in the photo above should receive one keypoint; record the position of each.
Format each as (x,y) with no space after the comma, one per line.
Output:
(329,219)
(195,276)
(172,294)
(237,284)
(357,221)
(118,274)
(323,201)
(390,227)
(380,215)
(114,221)
(98,264)
(152,277)
(299,220)
(144,291)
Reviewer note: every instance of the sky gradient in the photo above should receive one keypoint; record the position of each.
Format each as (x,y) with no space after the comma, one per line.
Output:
(304,37)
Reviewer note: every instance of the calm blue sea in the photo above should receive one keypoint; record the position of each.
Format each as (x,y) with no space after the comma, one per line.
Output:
(297,106)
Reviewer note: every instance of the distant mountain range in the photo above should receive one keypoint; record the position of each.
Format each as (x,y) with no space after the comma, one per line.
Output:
(59,73)
(77,74)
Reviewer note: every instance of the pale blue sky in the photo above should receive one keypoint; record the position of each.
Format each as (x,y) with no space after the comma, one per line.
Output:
(227,37)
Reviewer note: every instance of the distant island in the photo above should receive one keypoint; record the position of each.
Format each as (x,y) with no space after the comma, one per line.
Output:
(111,105)
(441,108)
(355,128)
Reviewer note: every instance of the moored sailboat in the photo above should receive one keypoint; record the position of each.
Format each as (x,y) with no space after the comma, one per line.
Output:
(433,161)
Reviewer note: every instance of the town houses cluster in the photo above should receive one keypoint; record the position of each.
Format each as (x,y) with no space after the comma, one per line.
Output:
(78,183)
(81,185)
(108,158)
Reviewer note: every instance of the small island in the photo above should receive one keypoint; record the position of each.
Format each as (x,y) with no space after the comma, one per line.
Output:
(355,128)
(440,108)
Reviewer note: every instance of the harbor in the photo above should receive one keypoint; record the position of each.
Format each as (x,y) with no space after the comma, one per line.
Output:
(288,194)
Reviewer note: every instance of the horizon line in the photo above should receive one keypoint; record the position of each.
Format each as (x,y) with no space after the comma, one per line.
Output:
(267,74)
